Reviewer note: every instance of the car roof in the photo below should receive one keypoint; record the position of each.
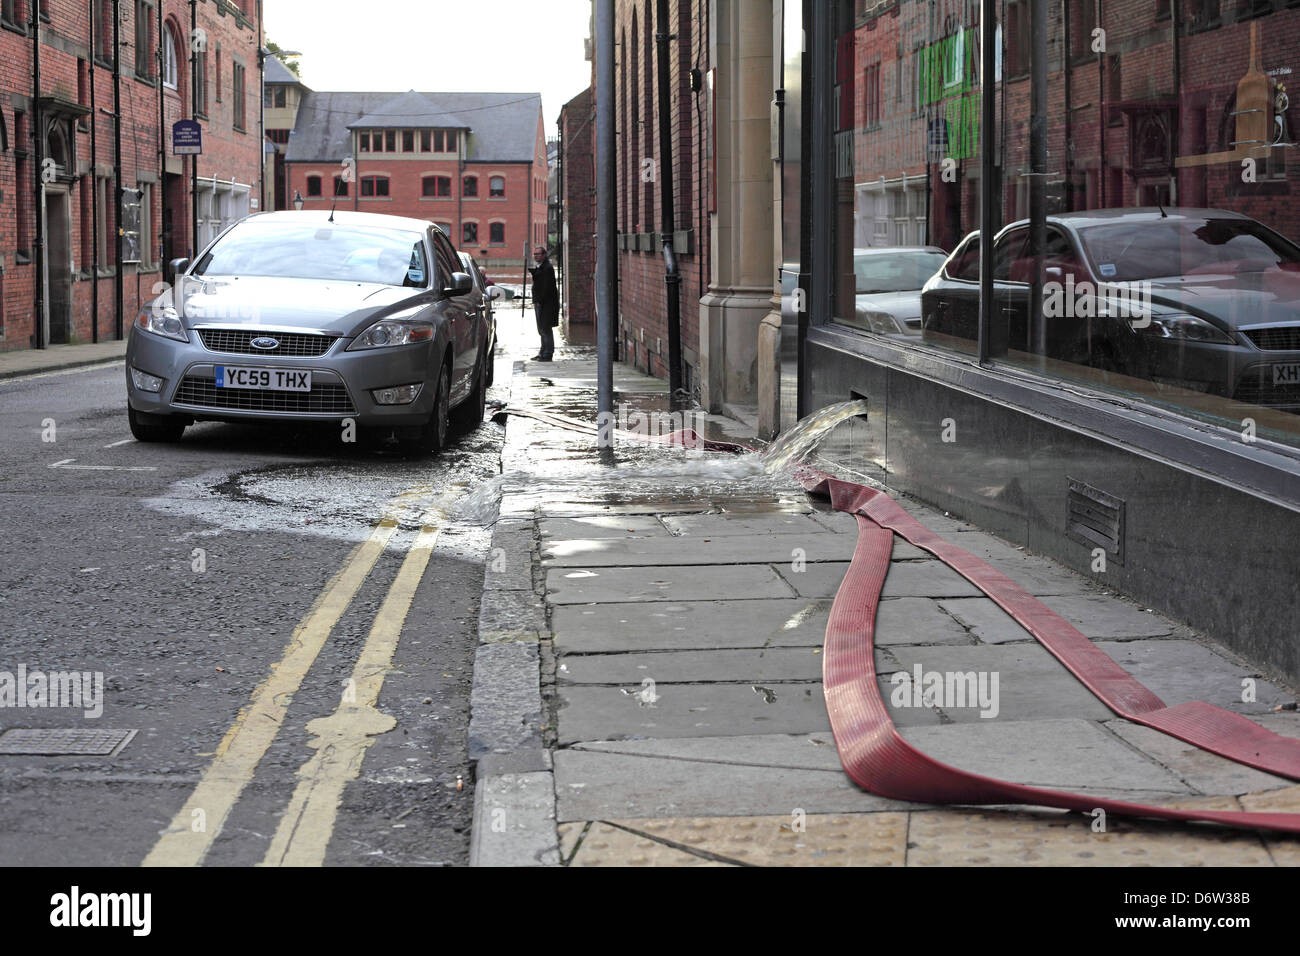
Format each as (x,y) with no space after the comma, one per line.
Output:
(344,217)
(1137,214)
(880,250)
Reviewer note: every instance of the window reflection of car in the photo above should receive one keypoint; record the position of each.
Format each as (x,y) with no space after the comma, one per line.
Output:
(1202,299)
(290,316)
(482,291)
(888,283)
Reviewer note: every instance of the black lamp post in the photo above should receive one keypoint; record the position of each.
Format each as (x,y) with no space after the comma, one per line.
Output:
(297,200)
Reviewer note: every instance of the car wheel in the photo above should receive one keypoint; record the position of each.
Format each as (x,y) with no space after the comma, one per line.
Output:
(469,413)
(432,435)
(155,428)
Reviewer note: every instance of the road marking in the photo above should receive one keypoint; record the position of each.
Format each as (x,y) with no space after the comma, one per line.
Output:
(124,441)
(342,739)
(65,465)
(237,756)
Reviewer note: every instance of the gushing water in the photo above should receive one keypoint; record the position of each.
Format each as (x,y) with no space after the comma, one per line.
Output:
(669,474)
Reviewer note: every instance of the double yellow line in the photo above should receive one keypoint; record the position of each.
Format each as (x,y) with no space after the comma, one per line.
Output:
(340,740)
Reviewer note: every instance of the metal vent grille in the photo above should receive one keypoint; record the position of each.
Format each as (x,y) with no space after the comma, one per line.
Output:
(1095,519)
(295,344)
(1279,338)
(325,398)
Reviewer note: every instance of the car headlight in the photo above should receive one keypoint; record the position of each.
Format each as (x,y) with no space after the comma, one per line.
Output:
(389,332)
(161,320)
(1186,327)
(883,323)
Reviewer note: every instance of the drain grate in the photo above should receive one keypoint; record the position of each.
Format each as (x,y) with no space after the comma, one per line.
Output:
(1095,518)
(52,743)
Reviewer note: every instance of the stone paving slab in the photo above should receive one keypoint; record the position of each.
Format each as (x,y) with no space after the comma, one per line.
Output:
(658,583)
(669,667)
(605,845)
(1066,754)
(511,616)
(602,786)
(1180,671)
(791,751)
(716,525)
(796,839)
(763,622)
(726,549)
(1032,684)
(915,620)
(601,526)
(689,710)
(1206,772)
(905,579)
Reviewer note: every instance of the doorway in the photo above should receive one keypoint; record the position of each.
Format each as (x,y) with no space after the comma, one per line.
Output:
(58,265)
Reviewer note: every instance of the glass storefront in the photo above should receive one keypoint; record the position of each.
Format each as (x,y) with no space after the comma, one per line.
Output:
(1163,264)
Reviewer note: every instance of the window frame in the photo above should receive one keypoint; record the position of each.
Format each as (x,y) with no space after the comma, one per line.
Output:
(493,193)
(374,180)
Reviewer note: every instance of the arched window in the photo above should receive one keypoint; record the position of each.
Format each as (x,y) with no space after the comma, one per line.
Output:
(469,233)
(497,187)
(435,187)
(497,233)
(469,187)
(170,64)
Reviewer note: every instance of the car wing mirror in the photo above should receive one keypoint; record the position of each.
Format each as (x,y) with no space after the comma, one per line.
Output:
(460,284)
(176,267)
(496,292)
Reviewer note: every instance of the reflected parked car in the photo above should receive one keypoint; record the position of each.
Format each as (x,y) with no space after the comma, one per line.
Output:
(888,283)
(483,287)
(1202,299)
(293,316)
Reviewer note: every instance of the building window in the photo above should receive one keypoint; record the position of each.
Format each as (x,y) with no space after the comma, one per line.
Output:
(374,186)
(275,98)
(426,140)
(871,95)
(497,187)
(217,65)
(390,141)
(313,185)
(170,69)
(408,140)
(452,141)
(497,233)
(340,186)
(103,29)
(436,187)
(469,187)
(363,142)
(237,91)
(469,234)
(144,18)
(445,227)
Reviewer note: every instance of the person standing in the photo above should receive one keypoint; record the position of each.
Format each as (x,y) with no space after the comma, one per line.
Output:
(546,303)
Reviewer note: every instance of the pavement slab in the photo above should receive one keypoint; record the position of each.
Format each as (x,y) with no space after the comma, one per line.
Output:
(675,667)
(1179,671)
(607,786)
(790,751)
(601,526)
(1206,772)
(718,525)
(905,579)
(762,622)
(723,550)
(658,583)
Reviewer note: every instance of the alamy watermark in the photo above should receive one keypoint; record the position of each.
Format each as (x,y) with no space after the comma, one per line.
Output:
(1086,300)
(950,690)
(83,690)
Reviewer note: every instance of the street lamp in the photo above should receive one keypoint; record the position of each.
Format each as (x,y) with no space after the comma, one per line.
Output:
(297,200)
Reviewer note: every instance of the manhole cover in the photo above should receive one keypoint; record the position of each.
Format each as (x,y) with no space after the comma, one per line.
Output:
(94,743)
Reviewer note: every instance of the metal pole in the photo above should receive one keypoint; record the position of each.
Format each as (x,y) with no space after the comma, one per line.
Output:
(94,181)
(117,171)
(606,262)
(665,172)
(1038,168)
(988,195)
(194,115)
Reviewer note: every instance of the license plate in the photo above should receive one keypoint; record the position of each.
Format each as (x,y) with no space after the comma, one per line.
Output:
(1286,374)
(275,379)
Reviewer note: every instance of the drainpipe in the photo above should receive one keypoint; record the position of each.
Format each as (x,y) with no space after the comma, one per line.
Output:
(1102,118)
(117,171)
(94,189)
(672,280)
(606,221)
(194,115)
(162,133)
(1067,72)
(1038,167)
(40,318)
(261,118)
(988,197)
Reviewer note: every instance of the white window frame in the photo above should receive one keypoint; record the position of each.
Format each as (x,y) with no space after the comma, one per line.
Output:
(170,58)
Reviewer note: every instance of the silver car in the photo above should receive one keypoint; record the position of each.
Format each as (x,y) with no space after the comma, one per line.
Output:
(888,283)
(293,316)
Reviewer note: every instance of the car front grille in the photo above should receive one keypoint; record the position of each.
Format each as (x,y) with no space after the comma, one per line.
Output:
(1257,388)
(296,344)
(325,398)
(1276,339)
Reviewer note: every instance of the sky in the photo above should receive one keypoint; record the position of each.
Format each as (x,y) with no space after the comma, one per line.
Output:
(491,46)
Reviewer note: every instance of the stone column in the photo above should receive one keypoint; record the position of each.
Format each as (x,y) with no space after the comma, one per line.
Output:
(769,331)
(740,287)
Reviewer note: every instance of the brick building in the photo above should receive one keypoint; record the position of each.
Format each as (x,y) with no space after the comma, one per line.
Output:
(474,163)
(61,208)
(576,185)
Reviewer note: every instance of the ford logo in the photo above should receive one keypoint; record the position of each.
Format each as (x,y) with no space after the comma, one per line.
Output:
(265,342)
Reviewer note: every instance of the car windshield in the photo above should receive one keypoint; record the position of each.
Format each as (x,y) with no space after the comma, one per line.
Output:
(894,271)
(316,250)
(1178,247)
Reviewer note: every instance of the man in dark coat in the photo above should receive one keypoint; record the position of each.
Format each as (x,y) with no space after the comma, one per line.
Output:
(546,303)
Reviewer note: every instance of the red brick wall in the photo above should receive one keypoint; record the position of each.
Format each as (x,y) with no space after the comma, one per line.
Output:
(66,69)
(578,163)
